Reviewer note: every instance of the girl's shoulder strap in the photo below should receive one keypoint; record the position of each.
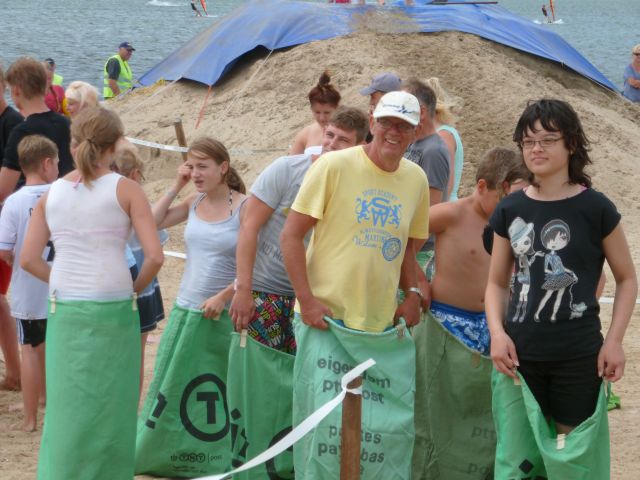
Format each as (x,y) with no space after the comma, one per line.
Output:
(197,201)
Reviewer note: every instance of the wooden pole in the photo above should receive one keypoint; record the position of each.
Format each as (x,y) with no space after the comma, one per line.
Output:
(182,140)
(351,431)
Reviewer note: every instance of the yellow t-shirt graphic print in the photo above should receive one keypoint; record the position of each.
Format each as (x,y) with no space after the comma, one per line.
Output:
(365,217)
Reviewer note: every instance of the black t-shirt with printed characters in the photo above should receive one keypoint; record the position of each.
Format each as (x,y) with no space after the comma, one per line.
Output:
(557,246)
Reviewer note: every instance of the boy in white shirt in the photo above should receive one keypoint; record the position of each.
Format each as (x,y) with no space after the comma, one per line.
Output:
(38,157)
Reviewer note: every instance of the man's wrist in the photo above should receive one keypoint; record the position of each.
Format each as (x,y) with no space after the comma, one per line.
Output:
(415,290)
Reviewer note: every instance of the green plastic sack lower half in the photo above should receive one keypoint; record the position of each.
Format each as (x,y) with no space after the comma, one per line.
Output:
(93,364)
(528,446)
(455,435)
(184,426)
(260,396)
(388,390)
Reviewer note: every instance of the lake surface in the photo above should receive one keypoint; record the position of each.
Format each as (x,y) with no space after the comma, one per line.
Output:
(81,34)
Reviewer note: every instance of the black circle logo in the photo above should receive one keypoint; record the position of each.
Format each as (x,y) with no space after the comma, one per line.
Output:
(211,397)
(272,470)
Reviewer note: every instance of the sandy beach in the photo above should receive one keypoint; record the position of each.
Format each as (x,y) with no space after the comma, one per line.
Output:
(257,109)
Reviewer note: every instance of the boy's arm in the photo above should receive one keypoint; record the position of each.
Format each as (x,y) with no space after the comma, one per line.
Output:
(8,232)
(611,358)
(256,214)
(441,216)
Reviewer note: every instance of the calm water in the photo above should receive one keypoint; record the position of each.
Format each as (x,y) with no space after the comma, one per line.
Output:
(81,34)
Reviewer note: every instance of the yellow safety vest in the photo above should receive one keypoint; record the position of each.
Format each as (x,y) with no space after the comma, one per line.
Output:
(57,79)
(124,79)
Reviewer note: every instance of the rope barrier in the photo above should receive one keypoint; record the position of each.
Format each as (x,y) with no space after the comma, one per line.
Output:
(602,300)
(178,149)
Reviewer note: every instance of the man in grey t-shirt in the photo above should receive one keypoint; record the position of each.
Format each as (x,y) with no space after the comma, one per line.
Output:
(431,153)
(264,298)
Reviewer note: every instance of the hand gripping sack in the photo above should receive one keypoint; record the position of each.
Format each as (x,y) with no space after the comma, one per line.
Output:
(184,426)
(260,397)
(528,446)
(388,389)
(455,435)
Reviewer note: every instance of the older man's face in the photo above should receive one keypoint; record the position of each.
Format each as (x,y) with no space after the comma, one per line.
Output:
(392,136)
(125,54)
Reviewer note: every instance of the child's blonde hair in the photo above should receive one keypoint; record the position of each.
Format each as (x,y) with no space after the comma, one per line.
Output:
(83,93)
(33,150)
(126,161)
(445,103)
(95,130)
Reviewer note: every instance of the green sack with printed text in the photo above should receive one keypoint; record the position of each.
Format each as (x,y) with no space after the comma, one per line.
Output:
(388,389)
(184,426)
(93,364)
(455,435)
(260,397)
(528,447)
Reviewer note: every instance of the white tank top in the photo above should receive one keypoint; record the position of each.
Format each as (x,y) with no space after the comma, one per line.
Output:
(313,150)
(89,231)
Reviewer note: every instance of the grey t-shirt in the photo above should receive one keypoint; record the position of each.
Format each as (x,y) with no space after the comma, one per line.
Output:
(432,155)
(277,186)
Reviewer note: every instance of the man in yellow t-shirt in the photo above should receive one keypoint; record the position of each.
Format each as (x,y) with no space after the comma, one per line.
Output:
(368,207)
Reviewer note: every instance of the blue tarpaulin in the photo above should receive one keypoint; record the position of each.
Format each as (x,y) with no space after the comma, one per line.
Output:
(275,24)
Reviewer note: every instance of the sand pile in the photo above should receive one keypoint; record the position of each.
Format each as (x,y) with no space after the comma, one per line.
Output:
(257,109)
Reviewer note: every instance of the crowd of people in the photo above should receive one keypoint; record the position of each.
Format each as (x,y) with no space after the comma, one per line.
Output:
(360,223)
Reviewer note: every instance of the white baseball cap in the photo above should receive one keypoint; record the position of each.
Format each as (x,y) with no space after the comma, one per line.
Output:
(400,105)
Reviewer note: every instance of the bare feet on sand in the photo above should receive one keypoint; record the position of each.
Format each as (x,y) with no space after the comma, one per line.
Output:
(10,384)
(30,425)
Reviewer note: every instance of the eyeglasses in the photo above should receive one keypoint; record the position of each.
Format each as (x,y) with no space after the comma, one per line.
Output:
(544,143)
(637,54)
(402,127)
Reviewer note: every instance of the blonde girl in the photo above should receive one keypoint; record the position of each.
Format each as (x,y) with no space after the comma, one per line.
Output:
(93,337)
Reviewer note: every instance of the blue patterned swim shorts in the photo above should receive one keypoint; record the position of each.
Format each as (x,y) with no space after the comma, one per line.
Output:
(468,327)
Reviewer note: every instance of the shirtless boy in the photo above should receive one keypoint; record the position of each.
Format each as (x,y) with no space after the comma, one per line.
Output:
(462,265)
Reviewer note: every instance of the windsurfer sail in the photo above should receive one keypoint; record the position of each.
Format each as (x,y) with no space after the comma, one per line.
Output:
(553,11)
(204,6)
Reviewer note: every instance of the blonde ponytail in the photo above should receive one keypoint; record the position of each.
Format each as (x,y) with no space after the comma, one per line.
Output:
(95,130)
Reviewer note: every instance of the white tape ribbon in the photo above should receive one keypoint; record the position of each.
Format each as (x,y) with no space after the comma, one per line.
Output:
(305,426)
(145,143)
(602,300)
(176,148)
(169,253)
